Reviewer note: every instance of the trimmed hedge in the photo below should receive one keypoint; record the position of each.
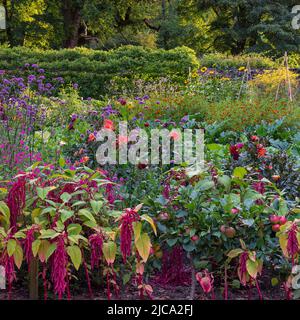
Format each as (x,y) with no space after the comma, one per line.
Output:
(224,62)
(93,69)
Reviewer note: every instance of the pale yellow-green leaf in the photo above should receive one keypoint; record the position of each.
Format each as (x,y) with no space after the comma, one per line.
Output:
(35,247)
(109,252)
(143,245)
(75,254)
(18,256)
(234,253)
(252,268)
(11,246)
(150,221)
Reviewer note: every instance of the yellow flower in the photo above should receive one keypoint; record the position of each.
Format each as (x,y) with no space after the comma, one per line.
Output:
(204,69)
(130,105)
(242,68)
(194,75)
(186,82)
(225,79)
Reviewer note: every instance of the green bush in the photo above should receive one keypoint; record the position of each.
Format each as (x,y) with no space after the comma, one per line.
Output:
(93,70)
(223,61)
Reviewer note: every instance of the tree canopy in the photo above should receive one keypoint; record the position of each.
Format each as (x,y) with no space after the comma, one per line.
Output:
(204,25)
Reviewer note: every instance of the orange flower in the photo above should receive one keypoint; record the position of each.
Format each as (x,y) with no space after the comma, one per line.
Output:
(261,151)
(108,124)
(84,159)
(91,138)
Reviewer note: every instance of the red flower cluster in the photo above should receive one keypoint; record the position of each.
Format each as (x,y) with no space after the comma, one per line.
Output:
(235,150)
(59,268)
(96,244)
(128,217)
(16,200)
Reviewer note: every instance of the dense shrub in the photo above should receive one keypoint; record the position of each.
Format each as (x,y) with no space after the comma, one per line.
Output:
(93,70)
(223,61)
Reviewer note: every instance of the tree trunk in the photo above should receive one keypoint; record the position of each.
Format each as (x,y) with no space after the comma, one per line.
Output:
(33,279)
(164,16)
(72,19)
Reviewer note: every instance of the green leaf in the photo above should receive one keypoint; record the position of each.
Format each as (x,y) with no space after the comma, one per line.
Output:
(96,206)
(225,181)
(234,253)
(90,224)
(66,214)
(87,214)
(250,196)
(35,247)
(11,246)
(150,221)
(43,192)
(43,248)
(137,229)
(252,268)
(171,242)
(239,172)
(5,212)
(50,251)
(18,256)
(62,162)
(75,254)
(65,197)
(74,229)
(48,234)
(274,282)
(126,277)
(20,235)
(79,203)
(189,247)
(205,185)
(143,245)
(109,252)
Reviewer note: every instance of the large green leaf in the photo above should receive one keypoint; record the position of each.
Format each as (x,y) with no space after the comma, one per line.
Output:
(150,221)
(18,256)
(87,215)
(239,172)
(4,210)
(75,254)
(35,247)
(74,229)
(66,214)
(234,253)
(96,206)
(143,245)
(109,252)
(43,192)
(252,268)
(11,246)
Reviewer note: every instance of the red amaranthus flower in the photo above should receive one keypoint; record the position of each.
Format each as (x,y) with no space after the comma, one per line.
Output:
(242,268)
(128,217)
(96,244)
(292,243)
(59,267)
(16,200)
(28,243)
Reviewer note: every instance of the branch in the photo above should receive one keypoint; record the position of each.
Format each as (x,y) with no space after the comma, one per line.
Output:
(150,26)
